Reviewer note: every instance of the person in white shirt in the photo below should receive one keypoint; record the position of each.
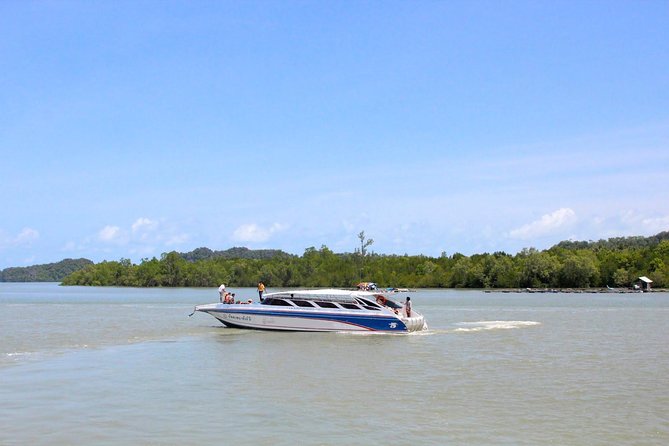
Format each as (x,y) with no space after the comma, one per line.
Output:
(221,291)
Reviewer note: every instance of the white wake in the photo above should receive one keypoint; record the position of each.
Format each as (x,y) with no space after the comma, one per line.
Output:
(493,325)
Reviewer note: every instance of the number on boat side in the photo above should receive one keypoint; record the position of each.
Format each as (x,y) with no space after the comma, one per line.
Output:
(393,325)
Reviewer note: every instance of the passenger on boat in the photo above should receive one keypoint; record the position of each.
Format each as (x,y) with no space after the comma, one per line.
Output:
(221,291)
(229,298)
(407,306)
(261,289)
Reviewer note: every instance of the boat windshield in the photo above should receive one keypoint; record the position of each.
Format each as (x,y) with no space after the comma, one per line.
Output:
(393,304)
(279,302)
(368,303)
(381,302)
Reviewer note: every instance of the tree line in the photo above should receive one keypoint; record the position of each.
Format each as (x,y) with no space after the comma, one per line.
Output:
(233,253)
(616,263)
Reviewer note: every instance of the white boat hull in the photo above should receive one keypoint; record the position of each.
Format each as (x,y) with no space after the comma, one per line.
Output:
(262,317)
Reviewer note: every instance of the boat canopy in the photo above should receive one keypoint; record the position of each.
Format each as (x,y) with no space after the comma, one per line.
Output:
(326,295)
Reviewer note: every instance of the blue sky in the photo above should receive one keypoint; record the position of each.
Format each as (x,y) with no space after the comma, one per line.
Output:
(133,128)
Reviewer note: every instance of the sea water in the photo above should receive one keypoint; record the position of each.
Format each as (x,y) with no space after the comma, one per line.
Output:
(121,366)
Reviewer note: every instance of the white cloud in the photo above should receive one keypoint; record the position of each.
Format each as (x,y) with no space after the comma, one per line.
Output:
(27,235)
(547,224)
(144,236)
(177,239)
(109,233)
(144,224)
(144,230)
(639,223)
(655,225)
(251,232)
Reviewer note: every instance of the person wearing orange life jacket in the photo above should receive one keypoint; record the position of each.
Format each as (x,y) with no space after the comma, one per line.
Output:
(229,298)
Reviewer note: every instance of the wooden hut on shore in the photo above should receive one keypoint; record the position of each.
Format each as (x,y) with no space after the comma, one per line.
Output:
(644,283)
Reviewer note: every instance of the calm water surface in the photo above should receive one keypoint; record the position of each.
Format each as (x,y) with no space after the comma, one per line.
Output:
(119,366)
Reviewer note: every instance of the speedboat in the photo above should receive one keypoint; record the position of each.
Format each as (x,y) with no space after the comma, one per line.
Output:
(319,310)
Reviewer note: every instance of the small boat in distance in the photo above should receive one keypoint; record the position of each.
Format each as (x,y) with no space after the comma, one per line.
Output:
(319,310)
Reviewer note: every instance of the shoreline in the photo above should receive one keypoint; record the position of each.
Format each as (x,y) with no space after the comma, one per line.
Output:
(596,290)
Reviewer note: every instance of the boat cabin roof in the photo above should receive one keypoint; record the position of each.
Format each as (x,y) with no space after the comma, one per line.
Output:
(325,295)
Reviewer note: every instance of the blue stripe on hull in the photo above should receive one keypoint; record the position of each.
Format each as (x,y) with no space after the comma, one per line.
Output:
(376,323)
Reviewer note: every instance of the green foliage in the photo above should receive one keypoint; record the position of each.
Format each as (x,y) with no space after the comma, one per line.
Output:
(539,269)
(578,271)
(618,243)
(50,272)
(621,278)
(617,262)
(233,253)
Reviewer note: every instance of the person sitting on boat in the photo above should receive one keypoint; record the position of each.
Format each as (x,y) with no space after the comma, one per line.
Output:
(407,306)
(228,299)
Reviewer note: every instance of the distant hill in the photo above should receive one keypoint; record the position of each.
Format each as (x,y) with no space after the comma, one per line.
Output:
(234,253)
(50,272)
(55,272)
(617,243)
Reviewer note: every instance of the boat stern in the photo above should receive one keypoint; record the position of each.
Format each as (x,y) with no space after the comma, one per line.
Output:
(414,323)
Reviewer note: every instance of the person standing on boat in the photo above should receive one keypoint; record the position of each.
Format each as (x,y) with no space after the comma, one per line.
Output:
(407,306)
(261,289)
(221,291)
